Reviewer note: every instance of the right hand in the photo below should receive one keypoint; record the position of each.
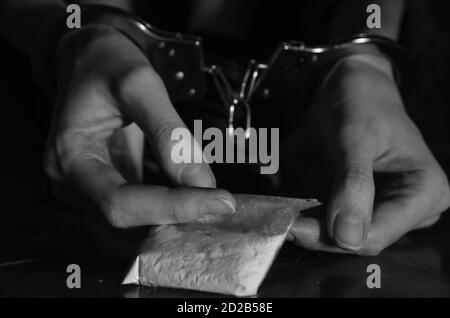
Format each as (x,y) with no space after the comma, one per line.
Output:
(107,94)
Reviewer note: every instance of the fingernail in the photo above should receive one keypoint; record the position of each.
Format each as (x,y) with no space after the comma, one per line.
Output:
(219,206)
(349,231)
(197,175)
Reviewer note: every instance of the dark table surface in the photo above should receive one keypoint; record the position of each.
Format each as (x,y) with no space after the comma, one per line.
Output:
(33,263)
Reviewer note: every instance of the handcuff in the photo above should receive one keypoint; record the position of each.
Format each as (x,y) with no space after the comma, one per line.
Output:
(179,60)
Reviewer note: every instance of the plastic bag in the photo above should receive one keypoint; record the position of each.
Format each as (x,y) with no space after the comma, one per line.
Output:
(228,254)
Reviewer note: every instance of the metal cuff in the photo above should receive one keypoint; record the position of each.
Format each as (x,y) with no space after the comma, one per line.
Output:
(295,64)
(178,59)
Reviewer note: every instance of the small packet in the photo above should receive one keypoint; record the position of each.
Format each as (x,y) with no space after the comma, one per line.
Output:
(230,254)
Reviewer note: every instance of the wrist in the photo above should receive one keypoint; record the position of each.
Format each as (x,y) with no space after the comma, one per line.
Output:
(362,57)
(362,85)
(77,47)
(56,39)
(76,42)
(364,61)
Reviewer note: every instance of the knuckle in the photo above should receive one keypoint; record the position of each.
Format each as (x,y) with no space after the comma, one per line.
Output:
(371,126)
(110,207)
(161,131)
(73,146)
(183,206)
(359,130)
(176,213)
(141,75)
(162,128)
(65,142)
(178,210)
(59,153)
(360,180)
(359,173)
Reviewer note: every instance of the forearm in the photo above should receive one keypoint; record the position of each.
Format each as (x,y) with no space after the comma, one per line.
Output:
(351,18)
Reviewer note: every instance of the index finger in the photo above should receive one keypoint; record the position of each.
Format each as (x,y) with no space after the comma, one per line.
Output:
(149,105)
(126,205)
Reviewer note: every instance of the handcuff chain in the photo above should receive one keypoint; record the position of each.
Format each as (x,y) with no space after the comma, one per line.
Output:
(230,99)
(221,83)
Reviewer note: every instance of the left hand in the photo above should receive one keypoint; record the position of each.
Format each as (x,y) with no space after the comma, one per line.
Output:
(365,130)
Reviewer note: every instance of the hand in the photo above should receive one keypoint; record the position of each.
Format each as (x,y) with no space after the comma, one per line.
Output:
(387,181)
(108,94)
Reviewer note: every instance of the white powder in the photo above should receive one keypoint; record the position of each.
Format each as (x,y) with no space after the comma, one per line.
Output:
(230,255)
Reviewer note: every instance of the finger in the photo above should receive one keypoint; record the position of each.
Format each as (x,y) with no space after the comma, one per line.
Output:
(351,204)
(306,232)
(401,212)
(311,234)
(150,107)
(133,205)
(126,148)
(394,218)
(127,205)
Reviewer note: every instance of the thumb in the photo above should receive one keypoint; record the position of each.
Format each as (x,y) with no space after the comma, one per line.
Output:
(350,210)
